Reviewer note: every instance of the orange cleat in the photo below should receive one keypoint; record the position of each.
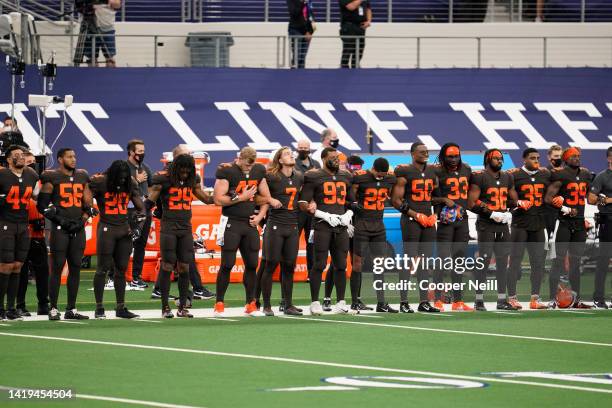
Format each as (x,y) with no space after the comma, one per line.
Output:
(514,302)
(219,309)
(438,304)
(461,307)
(535,304)
(251,309)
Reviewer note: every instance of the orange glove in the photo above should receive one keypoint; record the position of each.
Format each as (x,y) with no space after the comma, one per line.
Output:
(558,201)
(423,220)
(524,204)
(432,220)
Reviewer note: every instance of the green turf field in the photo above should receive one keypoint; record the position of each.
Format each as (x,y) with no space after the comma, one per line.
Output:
(272,362)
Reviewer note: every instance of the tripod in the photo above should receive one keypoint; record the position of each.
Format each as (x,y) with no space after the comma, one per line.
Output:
(89,34)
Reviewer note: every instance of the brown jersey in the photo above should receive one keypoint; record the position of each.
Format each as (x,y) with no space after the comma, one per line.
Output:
(329,191)
(67,194)
(238,182)
(17,191)
(575,184)
(286,190)
(113,206)
(453,185)
(176,201)
(493,190)
(419,186)
(372,194)
(530,187)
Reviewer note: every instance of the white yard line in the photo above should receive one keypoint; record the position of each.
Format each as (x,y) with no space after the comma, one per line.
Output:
(511,336)
(307,362)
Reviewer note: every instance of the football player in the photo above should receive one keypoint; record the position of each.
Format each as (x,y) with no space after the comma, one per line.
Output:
(113,190)
(371,188)
(330,188)
(412,196)
(17,186)
(453,232)
(176,187)
(281,239)
(568,191)
(488,197)
(65,199)
(528,226)
(235,190)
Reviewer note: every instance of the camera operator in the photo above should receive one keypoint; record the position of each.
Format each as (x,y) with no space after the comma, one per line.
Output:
(97,31)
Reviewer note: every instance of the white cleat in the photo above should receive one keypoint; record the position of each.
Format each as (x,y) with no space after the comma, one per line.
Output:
(342,308)
(316,309)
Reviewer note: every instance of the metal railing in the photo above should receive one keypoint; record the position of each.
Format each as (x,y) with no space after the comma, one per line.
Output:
(450,11)
(224,50)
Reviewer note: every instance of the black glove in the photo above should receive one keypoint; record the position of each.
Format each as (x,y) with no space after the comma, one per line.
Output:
(135,234)
(2,200)
(51,213)
(157,213)
(72,226)
(404,207)
(38,224)
(91,211)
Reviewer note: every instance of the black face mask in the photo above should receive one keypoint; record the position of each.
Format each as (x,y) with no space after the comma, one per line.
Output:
(139,158)
(334,143)
(303,154)
(556,162)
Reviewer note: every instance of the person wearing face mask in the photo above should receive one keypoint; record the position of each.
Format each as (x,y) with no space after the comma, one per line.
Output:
(491,192)
(530,182)
(112,190)
(37,261)
(143,175)
(18,184)
(329,138)
(567,192)
(551,214)
(330,189)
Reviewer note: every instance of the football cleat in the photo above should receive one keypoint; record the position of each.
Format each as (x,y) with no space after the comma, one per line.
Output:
(579,305)
(316,309)
(460,306)
(167,313)
(327,305)
(219,310)
(536,304)
(183,312)
(281,306)
(124,313)
(203,294)
(110,284)
(552,304)
(2,315)
(24,312)
(405,308)
(54,314)
(342,308)
(600,304)
(139,283)
(12,314)
(363,306)
(514,302)
(99,314)
(427,308)
(438,304)
(72,314)
(188,303)
(385,308)
(480,306)
(292,311)
(252,310)
(268,311)
(505,305)
(156,294)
